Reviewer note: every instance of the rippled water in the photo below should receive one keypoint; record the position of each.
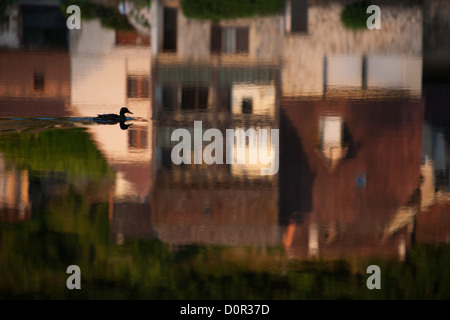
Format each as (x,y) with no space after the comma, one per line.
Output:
(362,167)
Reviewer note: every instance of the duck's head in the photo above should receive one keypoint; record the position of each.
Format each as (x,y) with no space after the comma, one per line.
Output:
(124,110)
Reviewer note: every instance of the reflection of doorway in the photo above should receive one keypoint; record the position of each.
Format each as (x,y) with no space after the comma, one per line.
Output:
(170,29)
(296,16)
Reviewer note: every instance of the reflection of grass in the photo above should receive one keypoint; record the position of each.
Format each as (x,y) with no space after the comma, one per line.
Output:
(109,16)
(216,10)
(69,151)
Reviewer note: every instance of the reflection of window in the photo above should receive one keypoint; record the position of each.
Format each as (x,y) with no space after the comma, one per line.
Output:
(194,98)
(361,181)
(229,39)
(169,97)
(4,24)
(331,144)
(137,86)
(166,155)
(170,29)
(344,70)
(247,105)
(38,81)
(296,16)
(137,138)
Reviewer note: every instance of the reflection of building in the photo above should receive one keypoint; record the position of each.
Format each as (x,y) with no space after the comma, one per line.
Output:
(219,204)
(121,77)
(122,72)
(33,24)
(329,56)
(366,204)
(34,84)
(230,40)
(15,204)
(319,54)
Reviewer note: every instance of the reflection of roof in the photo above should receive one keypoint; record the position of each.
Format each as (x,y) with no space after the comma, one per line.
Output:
(433,224)
(370,194)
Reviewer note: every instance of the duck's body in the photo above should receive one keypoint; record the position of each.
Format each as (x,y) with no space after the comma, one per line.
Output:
(112,118)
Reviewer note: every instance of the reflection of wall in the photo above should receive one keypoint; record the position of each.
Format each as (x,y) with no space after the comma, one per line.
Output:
(399,41)
(194,38)
(121,77)
(433,224)
(365,205)
(106,76)
(34,84)
(250,98)
(213,216)
(308,46)
(14,200)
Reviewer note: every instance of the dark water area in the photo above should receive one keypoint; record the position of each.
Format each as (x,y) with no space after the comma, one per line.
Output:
(354,170)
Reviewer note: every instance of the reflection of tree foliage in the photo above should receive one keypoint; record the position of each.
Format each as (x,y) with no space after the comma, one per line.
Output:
(68,229)
(69,151)
(109,16)
(354,15)
(216,10)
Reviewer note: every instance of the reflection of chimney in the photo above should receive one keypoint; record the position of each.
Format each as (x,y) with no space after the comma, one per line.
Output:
(313,240)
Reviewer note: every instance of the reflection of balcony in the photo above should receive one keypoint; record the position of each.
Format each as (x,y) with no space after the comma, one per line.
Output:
(212,87)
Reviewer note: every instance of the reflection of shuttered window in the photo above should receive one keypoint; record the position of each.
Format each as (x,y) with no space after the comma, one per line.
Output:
(194,98)
(38,81)
(137,138)
(229,39)
(138,86)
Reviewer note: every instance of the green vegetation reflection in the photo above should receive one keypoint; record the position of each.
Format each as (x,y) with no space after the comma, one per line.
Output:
(68,151)
(216,10)
(71,229)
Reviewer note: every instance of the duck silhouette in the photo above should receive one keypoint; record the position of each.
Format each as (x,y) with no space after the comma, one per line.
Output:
(112,118)
(124,126)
